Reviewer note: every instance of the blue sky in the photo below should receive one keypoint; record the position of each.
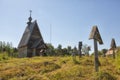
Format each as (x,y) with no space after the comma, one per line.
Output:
(71,20)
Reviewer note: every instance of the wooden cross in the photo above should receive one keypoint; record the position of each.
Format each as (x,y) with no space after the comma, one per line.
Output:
(95,35)
(113,46)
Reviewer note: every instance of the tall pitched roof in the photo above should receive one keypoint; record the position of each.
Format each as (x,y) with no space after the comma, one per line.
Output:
(27,34)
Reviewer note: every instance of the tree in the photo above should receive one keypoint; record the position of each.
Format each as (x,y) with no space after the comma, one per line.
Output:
(69,50)
(0,46)
(75,50)
(104,52)
(59,50)
(86,49)
(99,53)
(59,47)
(65,51)
(50,50)
(3,44)
(7,47)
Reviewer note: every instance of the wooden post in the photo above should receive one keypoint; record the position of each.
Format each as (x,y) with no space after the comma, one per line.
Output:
(113,53)
(79,49)
(80,53)
(113,47)
(96,56)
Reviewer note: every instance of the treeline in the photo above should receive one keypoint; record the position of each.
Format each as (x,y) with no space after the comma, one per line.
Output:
(6,47)
(59,51)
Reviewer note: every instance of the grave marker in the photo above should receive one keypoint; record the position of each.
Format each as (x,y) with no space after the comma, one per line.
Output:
(79,49)
(113,46)
(95,35)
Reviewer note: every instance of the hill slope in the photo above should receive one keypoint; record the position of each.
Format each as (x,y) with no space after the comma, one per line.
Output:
(59,68)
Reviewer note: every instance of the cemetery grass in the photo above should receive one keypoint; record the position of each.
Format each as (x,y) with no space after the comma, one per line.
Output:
(59,68)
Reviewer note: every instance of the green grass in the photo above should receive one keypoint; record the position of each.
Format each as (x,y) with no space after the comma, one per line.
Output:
(59,68)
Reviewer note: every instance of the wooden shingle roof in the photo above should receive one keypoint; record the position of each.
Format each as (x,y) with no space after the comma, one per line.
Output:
(27,35)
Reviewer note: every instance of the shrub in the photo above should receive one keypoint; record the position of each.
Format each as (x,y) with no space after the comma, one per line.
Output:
(105,76)
(4,56)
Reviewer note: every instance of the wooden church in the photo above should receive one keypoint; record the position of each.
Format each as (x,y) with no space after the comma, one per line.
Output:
(31,43)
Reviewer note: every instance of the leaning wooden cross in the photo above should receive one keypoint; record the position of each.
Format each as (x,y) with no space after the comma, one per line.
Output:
(113,46)
(95,35)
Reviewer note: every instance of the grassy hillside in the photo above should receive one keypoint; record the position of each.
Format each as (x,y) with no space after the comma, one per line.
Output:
(58,68)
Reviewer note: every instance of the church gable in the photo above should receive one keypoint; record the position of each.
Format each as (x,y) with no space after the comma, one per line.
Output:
(35,37)
(36,32)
